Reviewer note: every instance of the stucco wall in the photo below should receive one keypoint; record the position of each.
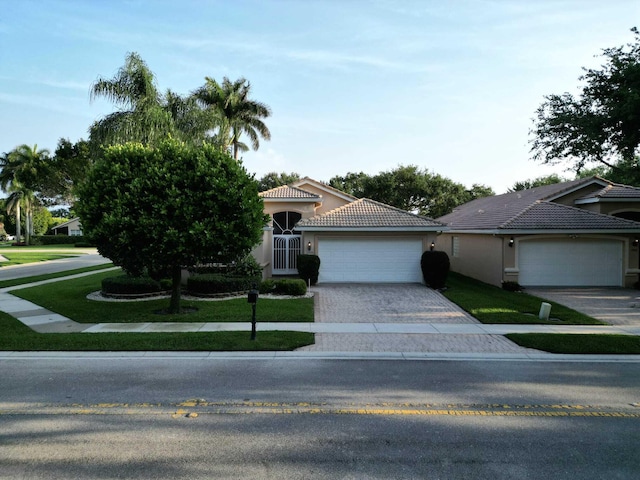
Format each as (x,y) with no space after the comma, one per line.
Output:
(478,256)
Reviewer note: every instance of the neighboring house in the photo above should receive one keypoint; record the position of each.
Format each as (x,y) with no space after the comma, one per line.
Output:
(578,233)
(357,240)
(71,228)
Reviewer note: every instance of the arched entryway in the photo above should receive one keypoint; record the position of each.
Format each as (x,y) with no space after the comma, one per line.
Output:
(287,243)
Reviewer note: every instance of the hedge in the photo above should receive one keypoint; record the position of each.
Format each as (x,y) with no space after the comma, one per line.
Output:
(127,285)
(211,283)
(284,286)
(59,240)
(308,268)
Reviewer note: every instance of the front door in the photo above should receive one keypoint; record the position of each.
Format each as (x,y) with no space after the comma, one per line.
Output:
(287,243)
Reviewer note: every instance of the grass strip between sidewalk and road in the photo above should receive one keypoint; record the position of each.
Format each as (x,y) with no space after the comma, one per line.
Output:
(491,305)
(20,258)
(68,298)
(581,344)
(14,336)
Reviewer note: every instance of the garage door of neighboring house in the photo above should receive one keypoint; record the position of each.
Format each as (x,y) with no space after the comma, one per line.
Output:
(577,262)
(370,260)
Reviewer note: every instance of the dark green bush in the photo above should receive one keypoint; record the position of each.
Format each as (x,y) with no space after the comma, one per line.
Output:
(290,286)
(125,284)
(309,268)
(267,286)
(435,268)
(57,239)
(511,286)
(246,266)
(211,283)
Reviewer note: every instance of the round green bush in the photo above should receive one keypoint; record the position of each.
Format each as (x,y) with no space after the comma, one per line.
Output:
(126,285)
(289,286)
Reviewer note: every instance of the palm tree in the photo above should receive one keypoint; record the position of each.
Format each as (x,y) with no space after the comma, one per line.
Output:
(21,172)
(144,115)
(237,113)
(140,116)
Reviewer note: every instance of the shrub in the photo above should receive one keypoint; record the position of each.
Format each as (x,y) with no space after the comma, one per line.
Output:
(267,286)
(57,239)
(435,268)
(290,286)
(211,283)
(511,286)
(246,266)
(125,284)
(309,268)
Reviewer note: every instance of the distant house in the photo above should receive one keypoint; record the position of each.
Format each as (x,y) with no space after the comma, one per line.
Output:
(357,240)
(72,228)
(579,233)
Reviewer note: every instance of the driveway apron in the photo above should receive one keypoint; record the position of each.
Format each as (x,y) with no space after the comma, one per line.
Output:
(399,304)
(615,306)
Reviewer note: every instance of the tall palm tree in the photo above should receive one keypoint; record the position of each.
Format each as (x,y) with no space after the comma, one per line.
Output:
(21,172)
(144,115)
(237,113)
(140,116)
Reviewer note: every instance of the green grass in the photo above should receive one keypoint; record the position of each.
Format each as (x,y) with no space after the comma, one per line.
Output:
(22,257)
(491,304)
(68,298)
(14,336)
(579,343)
(37,278)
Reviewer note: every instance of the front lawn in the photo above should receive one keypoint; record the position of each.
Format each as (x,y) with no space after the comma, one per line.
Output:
(68,298)
(578,343)
(491,304)
(14,336)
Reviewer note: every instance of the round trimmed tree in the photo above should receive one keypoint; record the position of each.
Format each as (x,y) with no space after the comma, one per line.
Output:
(158,209)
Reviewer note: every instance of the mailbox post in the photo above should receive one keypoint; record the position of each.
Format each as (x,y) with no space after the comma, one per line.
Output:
(252,298)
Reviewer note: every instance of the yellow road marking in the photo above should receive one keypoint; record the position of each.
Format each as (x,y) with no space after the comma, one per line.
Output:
(196,407)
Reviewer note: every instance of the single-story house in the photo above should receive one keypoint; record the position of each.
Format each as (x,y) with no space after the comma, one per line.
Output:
(71,227)
(357,240)
(579,233)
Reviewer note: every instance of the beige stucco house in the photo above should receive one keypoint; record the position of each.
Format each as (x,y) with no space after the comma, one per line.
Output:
(357,240)
(578,233)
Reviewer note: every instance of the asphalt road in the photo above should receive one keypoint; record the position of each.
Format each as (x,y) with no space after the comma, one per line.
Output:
(53,266)
(151,418)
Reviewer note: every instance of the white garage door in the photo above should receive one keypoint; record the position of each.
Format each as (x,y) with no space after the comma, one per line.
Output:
(370,260)
(579,262)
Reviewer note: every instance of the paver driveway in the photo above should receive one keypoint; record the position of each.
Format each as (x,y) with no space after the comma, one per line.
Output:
(385,303)
(399,304)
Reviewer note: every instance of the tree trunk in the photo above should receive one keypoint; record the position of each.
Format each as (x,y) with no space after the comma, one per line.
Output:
(18,232)
(28,224)
(176,277)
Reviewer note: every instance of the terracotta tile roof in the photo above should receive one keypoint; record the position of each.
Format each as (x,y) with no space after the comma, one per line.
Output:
(287,191)
(368,214)
(533,209)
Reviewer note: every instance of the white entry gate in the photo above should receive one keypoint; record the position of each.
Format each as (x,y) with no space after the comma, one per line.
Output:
(286,249)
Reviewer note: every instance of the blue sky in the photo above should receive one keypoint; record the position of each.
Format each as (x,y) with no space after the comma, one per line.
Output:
(449,86)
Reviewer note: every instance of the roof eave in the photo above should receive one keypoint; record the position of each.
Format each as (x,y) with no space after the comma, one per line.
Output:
(555,231)
(435,228)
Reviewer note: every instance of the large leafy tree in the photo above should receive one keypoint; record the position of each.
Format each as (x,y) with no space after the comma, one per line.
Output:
(67,168)
(170,206)
(412,189)
(536,182)
(21,172)
(235,113)
(275,179)
(602,124)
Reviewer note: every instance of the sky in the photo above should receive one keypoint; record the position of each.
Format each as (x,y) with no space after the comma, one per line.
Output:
(450,86)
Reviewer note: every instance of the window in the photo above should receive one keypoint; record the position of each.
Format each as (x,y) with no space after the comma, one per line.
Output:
(284,222)
(455,246)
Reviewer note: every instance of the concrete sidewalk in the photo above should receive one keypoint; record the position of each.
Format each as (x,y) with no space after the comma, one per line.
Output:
(437,329)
